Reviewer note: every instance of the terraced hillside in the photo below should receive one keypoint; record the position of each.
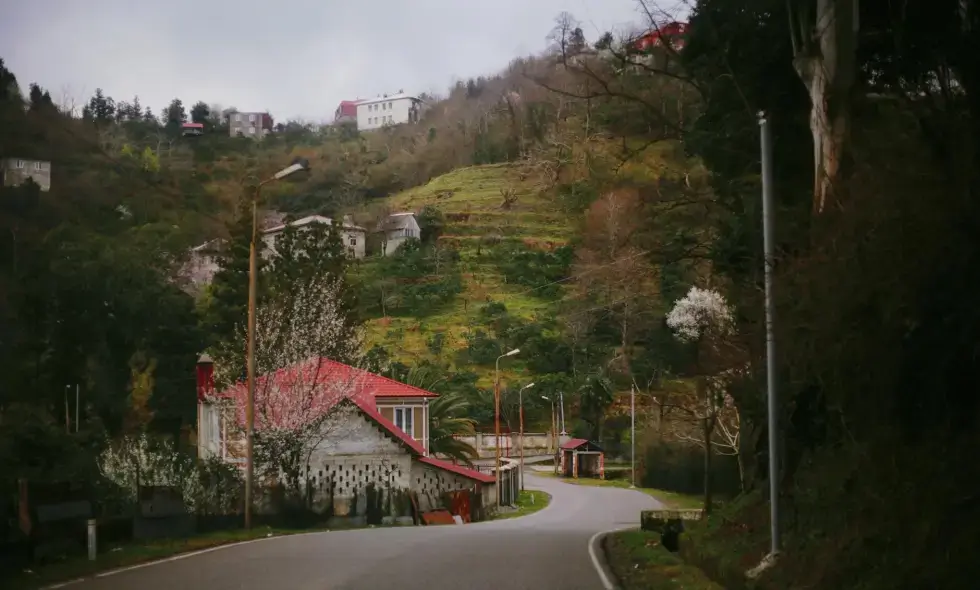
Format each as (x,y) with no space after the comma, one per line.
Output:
(477,222)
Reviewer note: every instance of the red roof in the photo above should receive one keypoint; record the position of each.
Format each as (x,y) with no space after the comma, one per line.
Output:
(673,32)
(465,472)
(347,108)
(361,382)
(574,443)
(193,125)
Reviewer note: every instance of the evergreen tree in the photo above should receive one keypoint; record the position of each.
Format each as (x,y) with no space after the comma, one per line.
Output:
(200,112)
(174,115)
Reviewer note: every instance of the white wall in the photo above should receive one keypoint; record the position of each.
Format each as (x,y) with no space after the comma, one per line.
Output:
(397,108)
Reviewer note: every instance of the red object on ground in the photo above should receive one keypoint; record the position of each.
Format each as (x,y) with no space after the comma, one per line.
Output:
(438,517)
(459,504)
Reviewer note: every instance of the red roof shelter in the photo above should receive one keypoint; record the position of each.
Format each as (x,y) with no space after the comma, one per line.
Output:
(581,457)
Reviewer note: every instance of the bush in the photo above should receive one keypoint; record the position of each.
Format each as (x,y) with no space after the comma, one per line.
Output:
(680,468)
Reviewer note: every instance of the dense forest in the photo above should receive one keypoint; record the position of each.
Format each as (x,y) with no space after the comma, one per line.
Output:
(598,207)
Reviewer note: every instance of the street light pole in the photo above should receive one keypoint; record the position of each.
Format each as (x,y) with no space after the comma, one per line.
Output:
(253,271)
(632,436)
(561,399)
(496,418)
(520,403)
(767,237)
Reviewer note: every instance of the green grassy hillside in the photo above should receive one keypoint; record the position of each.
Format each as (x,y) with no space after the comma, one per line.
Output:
(477,226)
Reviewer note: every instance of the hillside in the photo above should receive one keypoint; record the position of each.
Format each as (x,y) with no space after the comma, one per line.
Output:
(480,229)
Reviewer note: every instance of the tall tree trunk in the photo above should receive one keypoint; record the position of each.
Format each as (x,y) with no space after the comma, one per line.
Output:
(825,58)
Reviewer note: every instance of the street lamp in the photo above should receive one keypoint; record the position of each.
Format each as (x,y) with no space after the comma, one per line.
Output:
(297,165)
(496,420)
(520,403)
(554,429)
(561,402)
(632,436)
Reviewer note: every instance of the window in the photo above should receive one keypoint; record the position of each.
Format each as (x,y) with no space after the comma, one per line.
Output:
(353,241)
(403,420)
(251,118)
(37,165)
(251,130)
(238,118)
(19,164)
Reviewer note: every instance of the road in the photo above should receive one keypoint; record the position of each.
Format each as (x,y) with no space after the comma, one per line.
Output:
(543,551)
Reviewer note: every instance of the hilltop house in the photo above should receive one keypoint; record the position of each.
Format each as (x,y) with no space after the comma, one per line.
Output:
(346,112)
(395,229)
(16,171)
(395,109)
(374,430)
(255,125)
(203,264)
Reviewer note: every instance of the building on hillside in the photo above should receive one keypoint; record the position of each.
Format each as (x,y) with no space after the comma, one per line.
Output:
(672,35)
(373,432)
(395,109)
(395,229)
(353,236)
(254,125)
(16,171)
(346,112)
(191,129)
(202,264)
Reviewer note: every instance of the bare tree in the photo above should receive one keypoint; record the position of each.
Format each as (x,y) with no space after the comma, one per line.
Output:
(824,37)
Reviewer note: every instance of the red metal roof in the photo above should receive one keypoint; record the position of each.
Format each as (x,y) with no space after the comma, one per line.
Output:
(193,125)
(458,470)
(574,443)
(326,372)
(347,108)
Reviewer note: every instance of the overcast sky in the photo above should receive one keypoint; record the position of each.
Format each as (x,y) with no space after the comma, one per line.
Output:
(296,58)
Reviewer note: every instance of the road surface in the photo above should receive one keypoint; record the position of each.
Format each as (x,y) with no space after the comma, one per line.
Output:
(543,551)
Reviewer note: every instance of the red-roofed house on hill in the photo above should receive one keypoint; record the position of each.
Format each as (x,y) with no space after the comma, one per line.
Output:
(346,112)
(371,430)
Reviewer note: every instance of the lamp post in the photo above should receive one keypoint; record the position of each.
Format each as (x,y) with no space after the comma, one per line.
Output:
(297,165)
(496,414)
(561,401)
(632,436)
(520,403)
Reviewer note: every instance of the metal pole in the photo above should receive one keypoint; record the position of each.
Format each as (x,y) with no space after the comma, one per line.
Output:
(76,408)
(496,427)
(250,402)
(67,415)
(767,236)
(632,436)
(520,403)
(92,540)
(561,396)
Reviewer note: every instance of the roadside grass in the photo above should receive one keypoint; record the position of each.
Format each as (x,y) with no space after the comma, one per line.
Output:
(673,500)
(639,561)
(528,502)
(135,553)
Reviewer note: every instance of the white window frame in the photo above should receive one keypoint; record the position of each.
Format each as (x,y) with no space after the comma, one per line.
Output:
(398,417)
(353,241)
(37,165)
(251,118)
(238,117)
(19,164)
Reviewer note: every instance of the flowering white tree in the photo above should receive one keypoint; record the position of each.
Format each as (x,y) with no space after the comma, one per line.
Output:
(296,388)
(704,319)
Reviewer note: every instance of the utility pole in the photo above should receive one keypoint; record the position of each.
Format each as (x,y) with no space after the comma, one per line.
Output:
(496,418)
(76,407)
(632,436)
(768,246)
(253,271)
(520,403)
(561,398)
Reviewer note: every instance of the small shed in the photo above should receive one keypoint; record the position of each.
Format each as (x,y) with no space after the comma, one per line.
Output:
(581,458)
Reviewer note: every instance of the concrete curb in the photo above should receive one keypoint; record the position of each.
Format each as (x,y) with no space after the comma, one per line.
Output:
(597,552)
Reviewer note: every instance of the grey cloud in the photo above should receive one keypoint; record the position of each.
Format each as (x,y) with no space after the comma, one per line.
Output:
(296,59)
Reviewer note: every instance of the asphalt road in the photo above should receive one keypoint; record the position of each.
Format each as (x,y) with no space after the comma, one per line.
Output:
(546,550)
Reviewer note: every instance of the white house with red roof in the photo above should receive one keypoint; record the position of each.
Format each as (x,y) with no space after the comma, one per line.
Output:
(373,430)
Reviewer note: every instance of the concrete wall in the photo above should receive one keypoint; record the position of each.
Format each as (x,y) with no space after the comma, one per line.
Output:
(535,443)
(353,455)
(430,483)
(16,171)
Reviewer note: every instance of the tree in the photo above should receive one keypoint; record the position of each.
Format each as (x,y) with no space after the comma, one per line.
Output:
(174,115)
(704,319)
(294,393)
(200,112)
(824,34)
(101,108)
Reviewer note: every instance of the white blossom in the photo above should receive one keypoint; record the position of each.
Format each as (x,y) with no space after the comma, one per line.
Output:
(700,312)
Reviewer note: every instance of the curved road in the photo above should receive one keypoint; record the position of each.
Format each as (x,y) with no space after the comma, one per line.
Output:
(548,549)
